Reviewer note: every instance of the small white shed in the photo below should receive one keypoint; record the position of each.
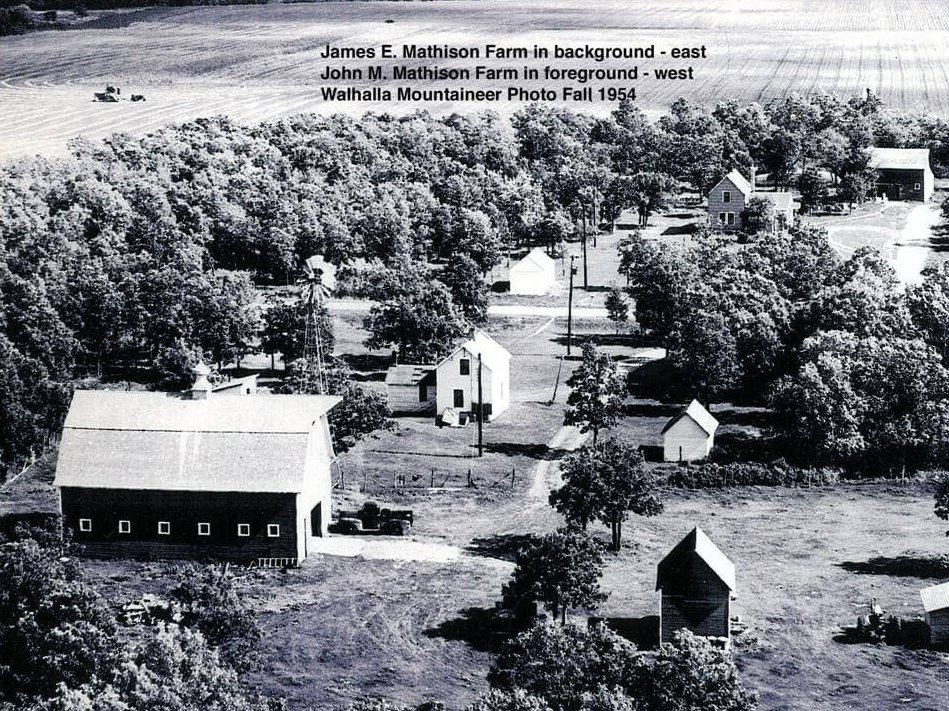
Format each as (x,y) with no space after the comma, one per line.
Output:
(534,274)
(690,435)
(936,605)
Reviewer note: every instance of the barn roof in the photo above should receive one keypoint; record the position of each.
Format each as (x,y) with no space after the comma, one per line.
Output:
(537,257)
(935,597)
(739,181)
(695,543)
(492,353)
(899,158)
(147,440)
(702,417)
(408,374)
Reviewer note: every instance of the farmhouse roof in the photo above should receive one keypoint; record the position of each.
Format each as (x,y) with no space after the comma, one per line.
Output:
(537,257)
(492,353)
(408,374)
(697,543)
(702,417)
(781,201)
(935,597)
(154,441)
(739,181)
(899,158)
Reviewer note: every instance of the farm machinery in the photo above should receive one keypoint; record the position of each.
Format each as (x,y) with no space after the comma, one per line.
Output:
(371,520)
(112,95)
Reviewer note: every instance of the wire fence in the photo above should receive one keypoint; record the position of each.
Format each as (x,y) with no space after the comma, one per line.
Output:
(434,479)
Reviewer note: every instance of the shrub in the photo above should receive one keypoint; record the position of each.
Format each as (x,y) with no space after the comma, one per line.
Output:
(710,475)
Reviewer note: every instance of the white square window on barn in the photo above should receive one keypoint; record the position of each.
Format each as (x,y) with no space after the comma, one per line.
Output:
(204,529)
(125,526)
(916,186)
(243,530)
(164,528)
(85,525)
(273,530)
(726,195)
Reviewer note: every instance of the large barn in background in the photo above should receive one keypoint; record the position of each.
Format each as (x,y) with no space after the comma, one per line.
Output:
(146,474)
(903,173)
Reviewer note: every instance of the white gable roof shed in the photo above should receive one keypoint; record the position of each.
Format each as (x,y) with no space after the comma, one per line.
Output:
(534,274)
(689,435)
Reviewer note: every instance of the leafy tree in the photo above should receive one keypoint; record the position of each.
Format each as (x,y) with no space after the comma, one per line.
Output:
(421,319)
(513,700)
(561,664)
(812,188)
(617,308)
(704,352)
(606,481)
(284,329)
(597,392)
(928,304)
(942,496)
(560,570)
(464,279)
(208,601)
(692,675)
(758,216)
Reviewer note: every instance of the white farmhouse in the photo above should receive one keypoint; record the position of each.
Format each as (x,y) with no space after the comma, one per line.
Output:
(534,274)
(689,435)
(456,378)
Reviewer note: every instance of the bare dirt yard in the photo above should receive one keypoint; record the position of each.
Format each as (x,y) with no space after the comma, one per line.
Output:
(257,62)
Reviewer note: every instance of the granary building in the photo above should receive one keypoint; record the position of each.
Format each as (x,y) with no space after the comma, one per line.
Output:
(936,605)
(903,173)
(200,475)
(690,435)
(456,379)
(696,581)
(534,274)
(730,196)
(411,389)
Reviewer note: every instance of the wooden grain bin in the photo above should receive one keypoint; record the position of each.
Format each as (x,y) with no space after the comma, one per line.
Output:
(696,581)
(936,605)
(690,435)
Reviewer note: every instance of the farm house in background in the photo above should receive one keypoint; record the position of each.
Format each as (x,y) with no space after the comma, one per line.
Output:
(690,435)
(411,389)
(533,275)
(903,173)
(148,474)
(456,379)
(696,581)
(730,196)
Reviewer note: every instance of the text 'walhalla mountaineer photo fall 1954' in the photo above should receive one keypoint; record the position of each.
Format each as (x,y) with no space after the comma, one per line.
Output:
(474,355)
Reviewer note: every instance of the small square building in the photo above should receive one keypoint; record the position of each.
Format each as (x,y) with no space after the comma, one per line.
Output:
(903,173)
(936,605)
(696,581)
(411,389)
(534,275)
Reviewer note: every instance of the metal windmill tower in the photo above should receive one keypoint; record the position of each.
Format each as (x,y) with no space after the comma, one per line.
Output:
(318,281)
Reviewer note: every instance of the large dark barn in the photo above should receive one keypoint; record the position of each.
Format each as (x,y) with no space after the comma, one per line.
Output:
(247,479)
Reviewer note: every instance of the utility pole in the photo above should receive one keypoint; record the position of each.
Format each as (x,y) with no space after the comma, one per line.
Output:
(480,414)
(573,270)
(584,213)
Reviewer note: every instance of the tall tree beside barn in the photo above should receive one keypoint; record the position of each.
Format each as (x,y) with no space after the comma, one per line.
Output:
(597,393)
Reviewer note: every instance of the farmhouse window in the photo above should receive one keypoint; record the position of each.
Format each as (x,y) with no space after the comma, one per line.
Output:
(164,528)
(729,218)
(125,526)
(721,218)
(273,530)
(85,525)
(243,530)
(464,366)
(459,398)
(204,529)
(726,195)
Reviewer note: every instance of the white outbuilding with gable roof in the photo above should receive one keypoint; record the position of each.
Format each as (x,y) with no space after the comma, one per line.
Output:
(534,274)
(456,378)
(690,435)
(936,605)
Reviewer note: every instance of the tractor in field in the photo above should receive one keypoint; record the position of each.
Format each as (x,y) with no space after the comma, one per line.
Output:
(371,520)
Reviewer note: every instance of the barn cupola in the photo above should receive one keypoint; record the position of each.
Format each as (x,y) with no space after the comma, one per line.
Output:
(202,386)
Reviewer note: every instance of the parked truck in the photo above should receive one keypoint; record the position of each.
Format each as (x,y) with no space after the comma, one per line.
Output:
(373,520)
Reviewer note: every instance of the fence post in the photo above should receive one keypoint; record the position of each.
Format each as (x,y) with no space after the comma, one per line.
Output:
(433,478)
